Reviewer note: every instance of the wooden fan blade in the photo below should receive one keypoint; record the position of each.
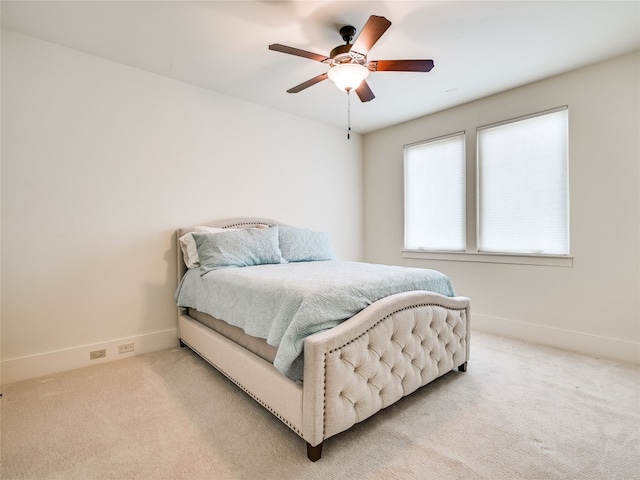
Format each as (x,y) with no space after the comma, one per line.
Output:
(364,92)
(400,65)
(276,47)
(308,83)
(370,34)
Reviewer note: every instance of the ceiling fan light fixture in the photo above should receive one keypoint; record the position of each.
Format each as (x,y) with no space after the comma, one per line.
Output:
(348,76)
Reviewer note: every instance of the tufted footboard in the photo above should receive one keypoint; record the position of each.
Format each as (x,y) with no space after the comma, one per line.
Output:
(387,351)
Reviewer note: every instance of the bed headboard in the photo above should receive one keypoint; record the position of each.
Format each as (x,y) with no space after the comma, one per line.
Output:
(238,222)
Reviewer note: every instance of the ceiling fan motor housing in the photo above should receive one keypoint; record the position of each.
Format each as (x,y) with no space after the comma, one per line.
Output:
(342,53)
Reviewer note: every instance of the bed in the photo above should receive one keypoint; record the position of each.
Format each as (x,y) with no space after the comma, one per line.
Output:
(331,372)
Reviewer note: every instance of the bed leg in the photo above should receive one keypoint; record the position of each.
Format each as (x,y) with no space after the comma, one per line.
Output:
(463,367)
(314,453)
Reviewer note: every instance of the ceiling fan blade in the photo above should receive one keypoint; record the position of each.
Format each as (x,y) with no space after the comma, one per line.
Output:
(308,83)
(276,47)
(400,65)
(370,34)
(364,92)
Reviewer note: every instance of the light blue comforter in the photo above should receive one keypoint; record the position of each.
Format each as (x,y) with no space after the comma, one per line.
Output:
(284,303)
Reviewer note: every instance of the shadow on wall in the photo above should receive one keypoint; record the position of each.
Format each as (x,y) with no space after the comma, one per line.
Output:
(159,304)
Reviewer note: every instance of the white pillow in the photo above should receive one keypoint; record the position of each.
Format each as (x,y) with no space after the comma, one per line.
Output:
(188,245)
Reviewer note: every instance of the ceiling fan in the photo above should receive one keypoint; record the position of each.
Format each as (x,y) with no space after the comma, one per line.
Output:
(348,63)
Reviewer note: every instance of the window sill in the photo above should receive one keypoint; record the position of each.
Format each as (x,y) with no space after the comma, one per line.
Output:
(515,259)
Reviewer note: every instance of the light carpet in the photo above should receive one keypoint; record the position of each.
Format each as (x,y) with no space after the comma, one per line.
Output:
(521,411)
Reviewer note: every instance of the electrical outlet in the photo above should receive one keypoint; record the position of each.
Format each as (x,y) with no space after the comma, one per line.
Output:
(125,348)
(98,354)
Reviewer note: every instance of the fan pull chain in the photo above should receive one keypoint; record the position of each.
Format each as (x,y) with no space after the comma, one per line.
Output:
(348,114)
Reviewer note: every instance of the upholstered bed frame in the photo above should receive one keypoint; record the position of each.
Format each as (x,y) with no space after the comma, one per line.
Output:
(388,350)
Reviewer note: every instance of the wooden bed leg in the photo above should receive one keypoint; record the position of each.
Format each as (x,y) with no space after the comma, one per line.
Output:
(463,367)
(314,453)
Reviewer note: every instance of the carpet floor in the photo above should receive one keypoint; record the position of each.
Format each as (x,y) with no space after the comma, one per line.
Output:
(521,411)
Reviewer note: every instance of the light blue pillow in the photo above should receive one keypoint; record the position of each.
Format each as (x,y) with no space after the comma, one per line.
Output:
(237,248)
(303,245)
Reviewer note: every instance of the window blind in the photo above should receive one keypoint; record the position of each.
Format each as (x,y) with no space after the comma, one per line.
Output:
(523,194)
(435,194)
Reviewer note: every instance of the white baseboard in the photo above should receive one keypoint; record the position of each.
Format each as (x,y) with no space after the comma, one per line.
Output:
(599,346)
(33,366)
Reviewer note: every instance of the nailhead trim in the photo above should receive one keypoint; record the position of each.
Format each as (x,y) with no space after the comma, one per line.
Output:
(391,314)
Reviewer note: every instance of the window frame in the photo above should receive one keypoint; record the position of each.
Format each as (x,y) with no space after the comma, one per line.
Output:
(472,205)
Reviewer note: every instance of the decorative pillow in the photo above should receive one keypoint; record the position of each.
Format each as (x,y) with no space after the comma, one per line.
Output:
(303,245)
(237,248)
(188,245)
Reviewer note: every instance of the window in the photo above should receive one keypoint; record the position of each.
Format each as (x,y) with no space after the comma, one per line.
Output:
(520,195)
(435,194)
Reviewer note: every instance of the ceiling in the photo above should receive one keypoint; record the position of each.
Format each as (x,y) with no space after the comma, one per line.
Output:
(479,47)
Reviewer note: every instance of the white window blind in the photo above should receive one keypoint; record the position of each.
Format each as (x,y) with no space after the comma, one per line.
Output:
(523,197)
(435,194)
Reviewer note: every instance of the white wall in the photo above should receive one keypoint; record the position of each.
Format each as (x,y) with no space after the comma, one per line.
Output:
(102,162)
(591,307)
